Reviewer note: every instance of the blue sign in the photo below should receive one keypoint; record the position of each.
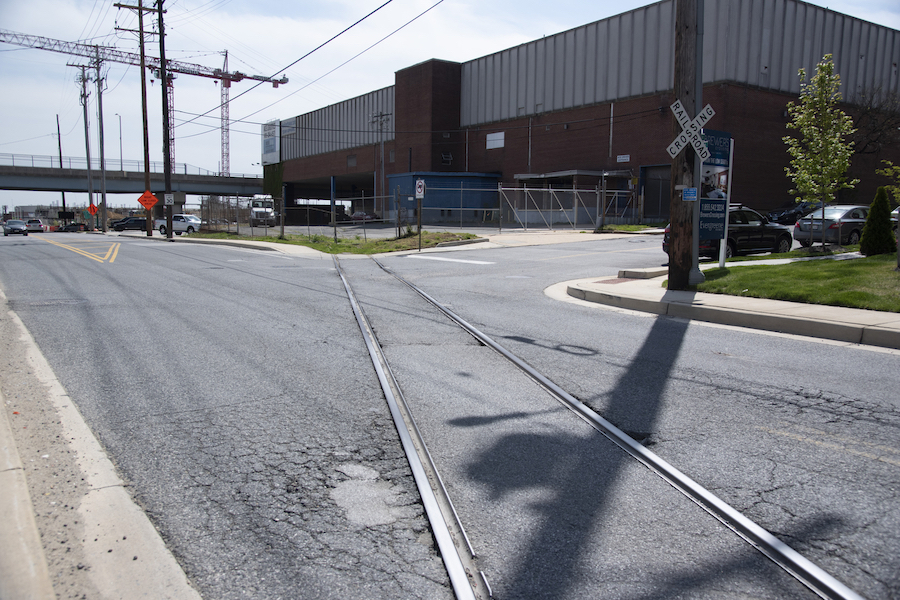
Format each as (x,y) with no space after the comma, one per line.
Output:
(689,194)
(712,219)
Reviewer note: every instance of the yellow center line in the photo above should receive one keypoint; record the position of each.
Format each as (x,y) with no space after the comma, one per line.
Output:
(111,251)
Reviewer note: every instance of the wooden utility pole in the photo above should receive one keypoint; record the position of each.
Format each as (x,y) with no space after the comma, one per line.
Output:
(140,12)
(683,167)
(167,140)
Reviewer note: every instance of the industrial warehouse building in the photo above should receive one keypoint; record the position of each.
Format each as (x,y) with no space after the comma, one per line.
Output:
(572,128)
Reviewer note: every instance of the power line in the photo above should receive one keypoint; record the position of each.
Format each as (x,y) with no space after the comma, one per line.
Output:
(320,46)
(347,61)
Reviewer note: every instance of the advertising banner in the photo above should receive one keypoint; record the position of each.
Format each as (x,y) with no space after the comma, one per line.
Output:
(715,168)
(712,219)
(714,185)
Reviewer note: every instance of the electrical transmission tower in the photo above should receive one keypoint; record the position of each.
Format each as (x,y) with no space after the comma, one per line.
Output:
(109,54)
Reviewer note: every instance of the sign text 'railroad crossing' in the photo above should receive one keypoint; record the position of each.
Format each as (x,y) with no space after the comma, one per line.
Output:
(691,129)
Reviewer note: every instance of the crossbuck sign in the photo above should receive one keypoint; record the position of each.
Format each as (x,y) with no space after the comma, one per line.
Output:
(690,135)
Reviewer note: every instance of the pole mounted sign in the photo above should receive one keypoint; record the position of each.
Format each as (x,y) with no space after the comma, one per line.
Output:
(420,189)
(691,129)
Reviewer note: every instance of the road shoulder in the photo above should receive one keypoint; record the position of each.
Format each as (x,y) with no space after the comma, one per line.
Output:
(93,535)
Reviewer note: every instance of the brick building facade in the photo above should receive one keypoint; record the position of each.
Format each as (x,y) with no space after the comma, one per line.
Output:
(593,123)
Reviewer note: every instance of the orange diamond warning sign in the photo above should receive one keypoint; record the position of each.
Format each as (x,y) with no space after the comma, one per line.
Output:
(92,209)
(147,200)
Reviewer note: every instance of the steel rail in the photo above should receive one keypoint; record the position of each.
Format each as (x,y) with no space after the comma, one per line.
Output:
(465,578)
(798,566)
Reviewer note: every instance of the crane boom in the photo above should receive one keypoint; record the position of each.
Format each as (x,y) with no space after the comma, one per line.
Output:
(111,54)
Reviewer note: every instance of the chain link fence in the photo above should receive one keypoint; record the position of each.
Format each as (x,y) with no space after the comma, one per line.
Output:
(444,208)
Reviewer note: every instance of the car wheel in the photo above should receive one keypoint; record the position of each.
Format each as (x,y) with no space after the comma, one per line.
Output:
(853,238)
(162,230)
(729,249)
(784,245)
(804,243)
(190,229)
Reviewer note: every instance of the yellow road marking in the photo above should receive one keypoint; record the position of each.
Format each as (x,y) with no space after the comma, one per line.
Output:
(111,251)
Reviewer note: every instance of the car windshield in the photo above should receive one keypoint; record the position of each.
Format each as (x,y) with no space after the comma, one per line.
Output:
(13,222)
(830,213)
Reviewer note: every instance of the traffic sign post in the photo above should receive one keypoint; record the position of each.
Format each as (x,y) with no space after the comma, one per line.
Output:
(420,195)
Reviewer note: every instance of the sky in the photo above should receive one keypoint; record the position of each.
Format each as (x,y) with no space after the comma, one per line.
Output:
(307,41)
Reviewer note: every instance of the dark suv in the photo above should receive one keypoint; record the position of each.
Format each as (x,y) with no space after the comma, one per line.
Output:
(748,232)
(136,223)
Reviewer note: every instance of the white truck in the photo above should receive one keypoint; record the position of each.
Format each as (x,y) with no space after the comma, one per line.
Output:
(262,212)
(180,224)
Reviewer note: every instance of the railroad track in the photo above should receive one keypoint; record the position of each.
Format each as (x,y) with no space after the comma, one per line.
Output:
(460,557)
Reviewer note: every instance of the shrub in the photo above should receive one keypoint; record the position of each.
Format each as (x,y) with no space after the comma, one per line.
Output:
(878,234)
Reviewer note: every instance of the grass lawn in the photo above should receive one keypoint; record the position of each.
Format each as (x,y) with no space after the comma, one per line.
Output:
(630,228)
(355,245)
(872,283)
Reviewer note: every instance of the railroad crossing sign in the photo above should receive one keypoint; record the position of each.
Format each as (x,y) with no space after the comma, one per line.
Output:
(690,135)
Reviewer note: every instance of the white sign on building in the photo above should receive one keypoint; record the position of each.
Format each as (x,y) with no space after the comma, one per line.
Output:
(271,143)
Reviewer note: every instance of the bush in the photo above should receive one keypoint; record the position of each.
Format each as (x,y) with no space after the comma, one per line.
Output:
(878,234)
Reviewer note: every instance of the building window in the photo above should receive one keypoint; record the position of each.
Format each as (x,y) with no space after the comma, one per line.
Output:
(351,160)
(495,140)
(391,156)
(446,158)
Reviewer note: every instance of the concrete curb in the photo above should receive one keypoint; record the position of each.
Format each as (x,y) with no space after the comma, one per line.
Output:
(854,326)
(23,566)
(141,566)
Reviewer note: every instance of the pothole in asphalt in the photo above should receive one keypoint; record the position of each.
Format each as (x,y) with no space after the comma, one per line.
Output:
(366,500)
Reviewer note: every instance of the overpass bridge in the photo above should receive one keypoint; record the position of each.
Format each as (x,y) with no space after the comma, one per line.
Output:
(35,173)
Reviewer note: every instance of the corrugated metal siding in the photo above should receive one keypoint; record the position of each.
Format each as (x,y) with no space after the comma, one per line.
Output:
(761,43)
(627,55)
(346,125)
(768,41)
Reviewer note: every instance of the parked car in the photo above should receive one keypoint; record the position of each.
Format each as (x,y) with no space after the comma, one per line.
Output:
(748,232)
(788,215)
(181,223)
(72,227)
(34,225)
(14,226)
(135,223)
(895,217)
(363,216)
(843,224)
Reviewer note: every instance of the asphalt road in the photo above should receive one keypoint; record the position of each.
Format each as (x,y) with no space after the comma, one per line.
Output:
(232,391)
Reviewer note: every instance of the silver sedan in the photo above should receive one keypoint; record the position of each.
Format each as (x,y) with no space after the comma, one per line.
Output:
(843,224)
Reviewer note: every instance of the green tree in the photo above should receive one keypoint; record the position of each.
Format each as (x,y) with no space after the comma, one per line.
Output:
(878,234)
(891,171)
(820,155)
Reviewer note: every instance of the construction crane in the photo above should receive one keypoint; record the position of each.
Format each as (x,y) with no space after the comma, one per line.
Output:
(110,54)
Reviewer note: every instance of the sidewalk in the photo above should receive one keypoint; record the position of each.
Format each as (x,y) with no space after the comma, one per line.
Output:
(642,290)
